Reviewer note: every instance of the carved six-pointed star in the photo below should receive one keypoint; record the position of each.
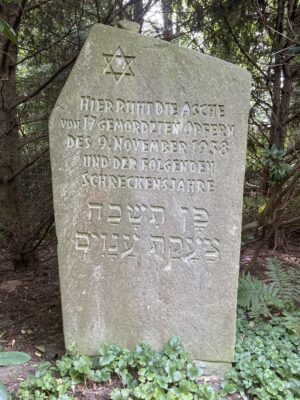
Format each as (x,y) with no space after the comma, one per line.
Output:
(118,64)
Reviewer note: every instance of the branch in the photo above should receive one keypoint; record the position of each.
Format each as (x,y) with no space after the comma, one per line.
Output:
(45,84)
(36,245)
(19,15)
(32,121)
(294,149)
(34,6)
(11,178)
(239,45)
(15,25)
(31,138)
(280,191)
(295,116)
(28,57)
(20,124)
(290,221)
(250,225)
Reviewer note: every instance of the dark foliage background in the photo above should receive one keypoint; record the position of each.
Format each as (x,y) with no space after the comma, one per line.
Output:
(262,36)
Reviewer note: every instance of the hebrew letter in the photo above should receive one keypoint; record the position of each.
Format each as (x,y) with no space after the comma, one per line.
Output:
(129,245)
(113,250)
(193,253)
(98,208)
(115,218)
(184,211)
(104,236)
(83,241)
(158,216)
(157,245)
(136,213)
(213,251)
(175,250)
(200,218)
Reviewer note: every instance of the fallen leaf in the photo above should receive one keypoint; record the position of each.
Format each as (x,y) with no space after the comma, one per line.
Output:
(10,286)
(40,347)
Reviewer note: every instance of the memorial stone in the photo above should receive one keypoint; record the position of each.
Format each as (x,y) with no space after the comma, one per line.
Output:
(148,144)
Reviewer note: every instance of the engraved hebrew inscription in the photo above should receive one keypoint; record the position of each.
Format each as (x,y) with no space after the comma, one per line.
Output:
(188,242)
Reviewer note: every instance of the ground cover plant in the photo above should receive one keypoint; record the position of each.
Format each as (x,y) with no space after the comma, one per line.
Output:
(267,368)
(143,372)
(267,363)
(268,340)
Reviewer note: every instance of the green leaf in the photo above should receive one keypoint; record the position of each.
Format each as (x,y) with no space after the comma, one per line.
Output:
(13,358)
(3,392)
(116,394)
(262,207)
(193,372)
(7,31)
(83,365)
(176,376)
(159,394)
(229,388)
(186,387)
(175,341)
(101,375)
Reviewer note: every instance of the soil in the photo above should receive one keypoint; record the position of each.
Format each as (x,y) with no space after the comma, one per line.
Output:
(30,317)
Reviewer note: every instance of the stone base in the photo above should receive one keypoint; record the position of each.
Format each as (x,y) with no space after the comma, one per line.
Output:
(214,368)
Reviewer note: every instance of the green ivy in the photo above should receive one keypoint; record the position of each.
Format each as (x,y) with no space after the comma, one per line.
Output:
(267,367)
(144,373)
(267,361)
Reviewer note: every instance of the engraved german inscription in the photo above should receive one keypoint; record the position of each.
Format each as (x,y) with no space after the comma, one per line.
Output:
(156,146)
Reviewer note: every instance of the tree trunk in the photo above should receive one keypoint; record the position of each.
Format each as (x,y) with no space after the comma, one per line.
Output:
(138,12)
(281,78)
(167,19)
(11,216)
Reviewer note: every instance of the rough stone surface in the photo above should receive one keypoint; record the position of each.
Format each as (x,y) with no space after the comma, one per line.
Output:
(129,25)
(148,145)
(214,368)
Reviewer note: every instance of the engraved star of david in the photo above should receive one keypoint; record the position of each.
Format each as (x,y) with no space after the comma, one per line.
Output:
(118,64)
